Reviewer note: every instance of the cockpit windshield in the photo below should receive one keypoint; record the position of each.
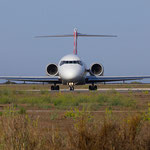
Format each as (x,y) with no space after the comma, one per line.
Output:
(71,62)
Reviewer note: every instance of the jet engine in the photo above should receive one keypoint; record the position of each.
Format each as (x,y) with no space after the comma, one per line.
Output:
(96,69)
(52,70)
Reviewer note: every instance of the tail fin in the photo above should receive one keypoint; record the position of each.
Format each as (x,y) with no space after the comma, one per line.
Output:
(75,41)
(75,35)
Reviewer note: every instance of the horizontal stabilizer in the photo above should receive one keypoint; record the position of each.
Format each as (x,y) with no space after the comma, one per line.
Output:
(92,35)
(67,35)
(78,35)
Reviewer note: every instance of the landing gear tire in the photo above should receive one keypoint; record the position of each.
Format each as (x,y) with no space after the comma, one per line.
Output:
(54,87)
(92,87)
(57,87)
(95,87)
(71,88)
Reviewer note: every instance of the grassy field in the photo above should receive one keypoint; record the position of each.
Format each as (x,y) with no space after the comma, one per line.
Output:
(93,120)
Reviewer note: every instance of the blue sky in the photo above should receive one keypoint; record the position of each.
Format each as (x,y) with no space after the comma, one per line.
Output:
(22,54)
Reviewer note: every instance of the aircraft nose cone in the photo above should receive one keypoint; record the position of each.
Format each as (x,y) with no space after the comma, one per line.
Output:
(71,74)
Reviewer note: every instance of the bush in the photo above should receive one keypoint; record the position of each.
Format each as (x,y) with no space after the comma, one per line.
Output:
(22,111)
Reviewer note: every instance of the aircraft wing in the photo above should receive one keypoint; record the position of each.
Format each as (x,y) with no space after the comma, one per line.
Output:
(48,79)
(96,79)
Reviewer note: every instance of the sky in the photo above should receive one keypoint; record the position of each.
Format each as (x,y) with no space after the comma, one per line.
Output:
(22,20)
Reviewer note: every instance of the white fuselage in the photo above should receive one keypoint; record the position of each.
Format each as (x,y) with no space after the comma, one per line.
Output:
(71,69)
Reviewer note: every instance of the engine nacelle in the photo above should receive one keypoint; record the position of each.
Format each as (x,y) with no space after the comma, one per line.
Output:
(97,69)
(52,70)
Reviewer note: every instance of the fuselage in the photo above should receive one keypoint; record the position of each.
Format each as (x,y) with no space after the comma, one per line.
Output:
(72,69)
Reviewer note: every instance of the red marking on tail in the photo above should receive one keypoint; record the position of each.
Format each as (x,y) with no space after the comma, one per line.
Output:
(75,41)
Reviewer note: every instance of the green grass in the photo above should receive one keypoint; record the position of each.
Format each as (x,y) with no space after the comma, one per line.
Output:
(93,100)
(22,111)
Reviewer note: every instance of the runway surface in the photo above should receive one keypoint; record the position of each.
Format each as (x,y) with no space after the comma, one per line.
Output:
(101,111)
(99,90)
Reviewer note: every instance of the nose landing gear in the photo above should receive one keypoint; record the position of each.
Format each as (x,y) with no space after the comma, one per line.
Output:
(92,87)
(71,86)
(55,87)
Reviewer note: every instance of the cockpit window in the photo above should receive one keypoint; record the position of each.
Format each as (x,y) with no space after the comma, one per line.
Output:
(71,62)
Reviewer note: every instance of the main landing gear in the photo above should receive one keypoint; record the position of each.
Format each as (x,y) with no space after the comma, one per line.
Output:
(55,87)
(92,87)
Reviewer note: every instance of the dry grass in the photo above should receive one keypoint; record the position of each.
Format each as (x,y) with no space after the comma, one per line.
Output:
(76,128)
(24,132)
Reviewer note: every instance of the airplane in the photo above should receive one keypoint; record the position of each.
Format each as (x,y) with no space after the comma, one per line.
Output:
(71,70)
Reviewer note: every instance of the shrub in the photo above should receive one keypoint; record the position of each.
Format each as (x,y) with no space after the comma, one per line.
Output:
(22,111)
(53,116)
(146,92)
(147,114)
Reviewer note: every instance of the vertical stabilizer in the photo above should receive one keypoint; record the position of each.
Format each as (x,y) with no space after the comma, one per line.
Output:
(75,41)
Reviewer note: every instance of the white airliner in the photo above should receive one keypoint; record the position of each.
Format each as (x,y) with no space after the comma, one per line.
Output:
(72,71)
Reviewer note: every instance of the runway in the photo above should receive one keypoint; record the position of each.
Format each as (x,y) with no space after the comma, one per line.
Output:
(101,111)
(101,90)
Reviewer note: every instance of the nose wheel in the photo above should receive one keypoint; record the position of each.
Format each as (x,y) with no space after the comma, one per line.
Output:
(55,87)
(71,86)
(92,87)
